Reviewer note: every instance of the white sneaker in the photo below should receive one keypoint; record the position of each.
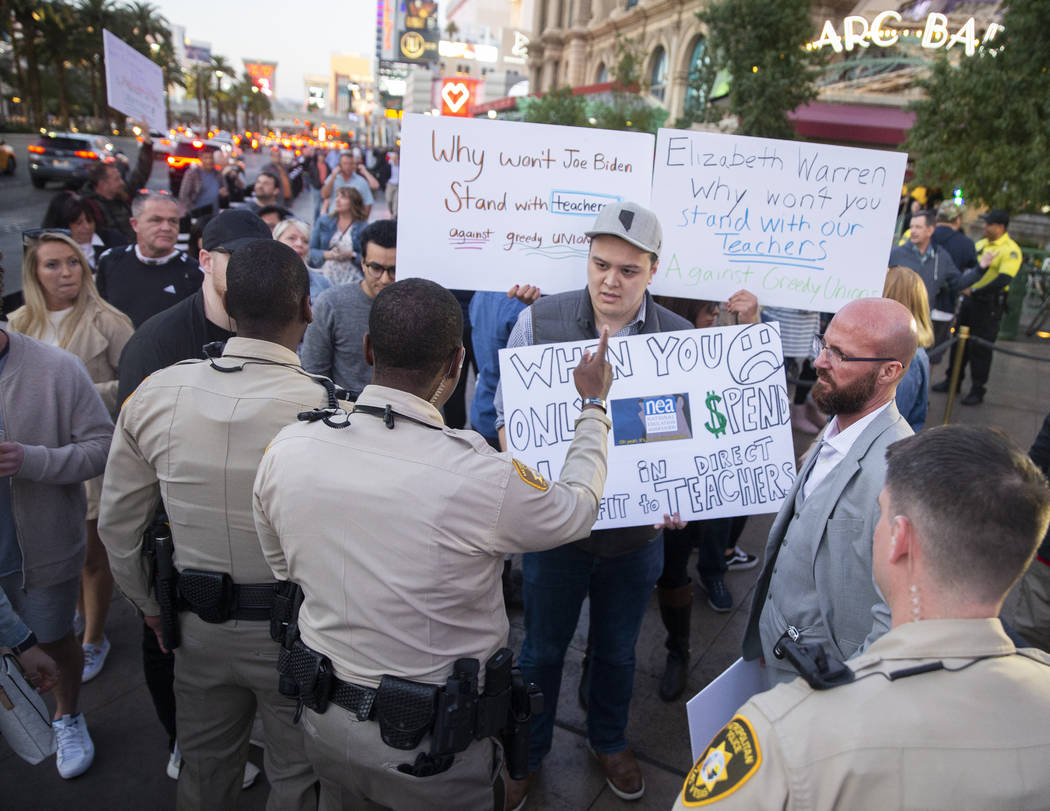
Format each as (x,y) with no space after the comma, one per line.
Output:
(78,623)
(175,763)
(94,658)
(75,748)
(251,771)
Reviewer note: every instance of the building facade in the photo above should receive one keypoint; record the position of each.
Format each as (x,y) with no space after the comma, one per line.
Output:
(574,43)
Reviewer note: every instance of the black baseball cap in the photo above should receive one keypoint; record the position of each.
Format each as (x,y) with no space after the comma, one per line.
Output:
(233,228)
(996,216)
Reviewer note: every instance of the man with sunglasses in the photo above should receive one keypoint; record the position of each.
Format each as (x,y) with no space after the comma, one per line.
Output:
(816,584)
(334,342)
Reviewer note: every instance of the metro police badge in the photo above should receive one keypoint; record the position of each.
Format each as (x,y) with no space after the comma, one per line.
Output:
(530,476)
(728,762)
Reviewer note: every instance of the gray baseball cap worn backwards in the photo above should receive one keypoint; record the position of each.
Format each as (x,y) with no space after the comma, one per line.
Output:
(630,222)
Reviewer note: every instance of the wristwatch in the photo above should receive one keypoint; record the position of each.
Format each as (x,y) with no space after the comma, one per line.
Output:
(25,645)
(597,401)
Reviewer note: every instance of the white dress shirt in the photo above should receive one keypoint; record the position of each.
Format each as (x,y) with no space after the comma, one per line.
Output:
(833,447)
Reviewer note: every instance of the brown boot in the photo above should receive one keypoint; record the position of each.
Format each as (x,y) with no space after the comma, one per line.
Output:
(622,774)
(676,606)
(517,791)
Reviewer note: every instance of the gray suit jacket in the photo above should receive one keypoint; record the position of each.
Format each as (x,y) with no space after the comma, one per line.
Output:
(845,517)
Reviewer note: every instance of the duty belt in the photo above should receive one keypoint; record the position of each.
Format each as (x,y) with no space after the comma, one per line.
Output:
(355,698)
(215,598)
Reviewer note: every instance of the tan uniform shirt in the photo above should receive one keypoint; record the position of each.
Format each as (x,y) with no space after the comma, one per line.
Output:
(974,735)
(398,536)
(194,436)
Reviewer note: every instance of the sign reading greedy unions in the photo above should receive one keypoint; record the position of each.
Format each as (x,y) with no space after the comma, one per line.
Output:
(485,205)
(799,224)
(700,418)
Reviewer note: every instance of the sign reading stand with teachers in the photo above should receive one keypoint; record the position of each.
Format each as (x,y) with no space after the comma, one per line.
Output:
(701,424)
(803,225)
(485,205)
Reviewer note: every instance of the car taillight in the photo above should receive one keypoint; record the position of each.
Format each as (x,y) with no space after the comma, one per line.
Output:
(39,150)
(176,162)
(86,154)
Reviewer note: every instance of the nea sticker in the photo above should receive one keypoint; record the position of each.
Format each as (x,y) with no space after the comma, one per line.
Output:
(728,762)
(530,476)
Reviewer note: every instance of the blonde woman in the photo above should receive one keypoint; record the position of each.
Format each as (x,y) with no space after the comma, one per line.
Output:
(63,308)
(296,235)
(906,286)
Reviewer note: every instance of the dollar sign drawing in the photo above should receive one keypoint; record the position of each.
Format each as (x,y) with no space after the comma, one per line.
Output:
(717,422)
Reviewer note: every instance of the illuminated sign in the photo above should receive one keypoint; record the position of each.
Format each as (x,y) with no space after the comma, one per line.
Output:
(262,75)
(386,25)
(468,50)
(858,32)
(418,31)
(457,96)
(316,96)
(515,47)
(198,52)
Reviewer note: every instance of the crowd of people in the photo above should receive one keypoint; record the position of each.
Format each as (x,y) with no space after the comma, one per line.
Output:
(262,443)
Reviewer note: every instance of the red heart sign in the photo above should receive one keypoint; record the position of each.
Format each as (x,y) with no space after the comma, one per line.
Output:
(456,96)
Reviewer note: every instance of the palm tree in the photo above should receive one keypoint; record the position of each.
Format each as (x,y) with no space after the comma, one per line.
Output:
(26,15)
(94,15)
(200,88)
(148,25)
(221,68)
(173,75)
(56,20)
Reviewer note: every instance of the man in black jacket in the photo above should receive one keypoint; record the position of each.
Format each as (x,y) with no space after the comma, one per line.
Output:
(113,196)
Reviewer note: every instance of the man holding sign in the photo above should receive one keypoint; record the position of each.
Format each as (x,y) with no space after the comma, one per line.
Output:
(616,568)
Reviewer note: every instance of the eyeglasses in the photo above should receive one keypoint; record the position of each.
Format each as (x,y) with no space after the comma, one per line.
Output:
(33,234)
(377,270)
(838,356)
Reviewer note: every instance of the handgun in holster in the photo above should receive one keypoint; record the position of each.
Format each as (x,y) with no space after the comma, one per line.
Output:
(303,673)
(502,711)
(165,583)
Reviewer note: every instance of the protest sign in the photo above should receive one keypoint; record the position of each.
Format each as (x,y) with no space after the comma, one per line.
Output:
(712,708)
(801,225)
(700,418)
(490,204)
(134,83)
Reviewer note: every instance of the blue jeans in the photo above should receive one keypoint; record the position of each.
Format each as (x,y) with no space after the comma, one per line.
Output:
(555,584)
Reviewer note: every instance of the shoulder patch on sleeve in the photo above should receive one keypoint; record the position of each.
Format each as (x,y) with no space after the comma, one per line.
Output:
(729,761)
(530,476)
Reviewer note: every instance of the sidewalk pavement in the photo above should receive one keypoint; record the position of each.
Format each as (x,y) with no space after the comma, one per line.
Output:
(130,745)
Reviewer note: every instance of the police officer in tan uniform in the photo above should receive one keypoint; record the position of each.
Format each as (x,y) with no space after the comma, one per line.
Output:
(396,527)
(193,435)
(940,712)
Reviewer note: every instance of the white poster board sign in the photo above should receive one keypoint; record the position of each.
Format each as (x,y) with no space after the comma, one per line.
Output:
(134,83)
(710,709)
(700,421)
(485,205)
(799,224)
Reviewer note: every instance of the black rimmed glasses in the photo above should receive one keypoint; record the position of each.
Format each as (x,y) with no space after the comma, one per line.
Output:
(838,356)
(376,270)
